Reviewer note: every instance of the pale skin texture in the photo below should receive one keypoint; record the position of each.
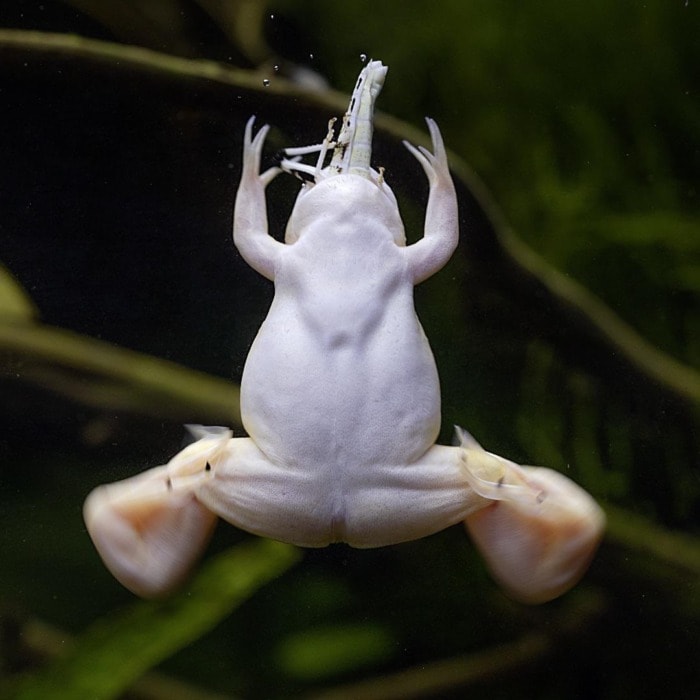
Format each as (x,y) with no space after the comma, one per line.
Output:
(340,398)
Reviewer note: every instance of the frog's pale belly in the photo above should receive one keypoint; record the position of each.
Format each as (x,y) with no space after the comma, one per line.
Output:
(340,378)
(344,403)
(338,467)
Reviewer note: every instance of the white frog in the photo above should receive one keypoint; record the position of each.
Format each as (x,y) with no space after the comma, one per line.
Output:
(340,397)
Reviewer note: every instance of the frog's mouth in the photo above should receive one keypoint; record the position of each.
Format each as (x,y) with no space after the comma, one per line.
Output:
(352,150)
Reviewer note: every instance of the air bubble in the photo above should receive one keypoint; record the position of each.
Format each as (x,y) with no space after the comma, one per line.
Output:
(363,57)
(276,69)
(266,82)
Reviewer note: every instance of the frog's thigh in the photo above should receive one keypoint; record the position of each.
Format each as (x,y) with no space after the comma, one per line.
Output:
(391,504)
(282,502)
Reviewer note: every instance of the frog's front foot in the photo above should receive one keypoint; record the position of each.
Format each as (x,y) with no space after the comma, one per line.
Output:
(252,153)
(434,164)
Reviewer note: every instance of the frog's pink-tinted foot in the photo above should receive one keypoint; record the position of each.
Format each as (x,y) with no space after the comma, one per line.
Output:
(540,531)
(150,529)
(147,536)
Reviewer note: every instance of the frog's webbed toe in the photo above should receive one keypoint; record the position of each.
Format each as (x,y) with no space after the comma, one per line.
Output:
(540,531)
(150,529)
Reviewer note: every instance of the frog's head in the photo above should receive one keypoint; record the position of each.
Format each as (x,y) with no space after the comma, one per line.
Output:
(348,187)
(349,200)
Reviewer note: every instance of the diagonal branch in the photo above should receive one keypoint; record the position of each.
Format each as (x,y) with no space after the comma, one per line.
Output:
(106,376)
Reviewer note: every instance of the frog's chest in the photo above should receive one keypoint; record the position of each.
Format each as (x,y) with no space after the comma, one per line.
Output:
(342,298)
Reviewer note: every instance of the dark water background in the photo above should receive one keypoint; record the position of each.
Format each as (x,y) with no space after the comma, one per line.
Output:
(566,328)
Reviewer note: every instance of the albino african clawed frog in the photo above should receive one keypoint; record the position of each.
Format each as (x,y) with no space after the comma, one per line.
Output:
(341,399)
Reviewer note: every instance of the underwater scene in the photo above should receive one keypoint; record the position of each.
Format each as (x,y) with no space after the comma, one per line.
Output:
(291,296)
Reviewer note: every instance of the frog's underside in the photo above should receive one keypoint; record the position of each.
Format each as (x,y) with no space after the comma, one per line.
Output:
(340,398)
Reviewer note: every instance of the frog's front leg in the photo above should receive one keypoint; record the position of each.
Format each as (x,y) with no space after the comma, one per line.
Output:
(250,229)
(441,233)
(150,529)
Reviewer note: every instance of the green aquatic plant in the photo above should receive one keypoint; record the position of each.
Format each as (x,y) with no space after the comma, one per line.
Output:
(113,653)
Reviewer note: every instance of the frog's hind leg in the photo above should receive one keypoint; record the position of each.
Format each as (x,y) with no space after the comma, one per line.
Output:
(535,528)
(290,502)
(539,531)
(389,504)
(150,529)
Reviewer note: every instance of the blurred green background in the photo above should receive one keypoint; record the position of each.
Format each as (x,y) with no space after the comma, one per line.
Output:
(566,331)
